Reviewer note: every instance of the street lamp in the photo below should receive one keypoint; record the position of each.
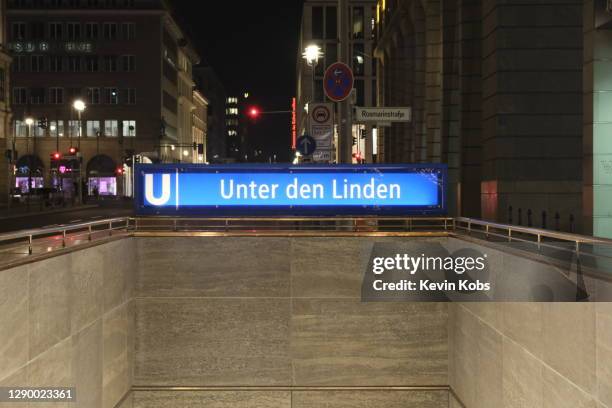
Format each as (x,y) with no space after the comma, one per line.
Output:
(79,106)
(29,122)
(311,54)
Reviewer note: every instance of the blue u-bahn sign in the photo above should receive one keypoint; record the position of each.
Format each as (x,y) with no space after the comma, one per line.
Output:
(285,190)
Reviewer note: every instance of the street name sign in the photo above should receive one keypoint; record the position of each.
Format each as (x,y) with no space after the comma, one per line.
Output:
(285,190)
(383,114)
(338,81)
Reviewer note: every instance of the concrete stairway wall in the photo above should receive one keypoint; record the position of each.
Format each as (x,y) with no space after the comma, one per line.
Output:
(66,321)
(278,312)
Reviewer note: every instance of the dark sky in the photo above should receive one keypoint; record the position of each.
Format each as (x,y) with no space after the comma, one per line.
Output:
(252,45)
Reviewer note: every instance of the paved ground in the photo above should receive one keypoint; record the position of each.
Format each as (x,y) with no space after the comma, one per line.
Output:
(17,219)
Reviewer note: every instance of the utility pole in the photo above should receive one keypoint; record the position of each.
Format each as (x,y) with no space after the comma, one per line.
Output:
(345,125)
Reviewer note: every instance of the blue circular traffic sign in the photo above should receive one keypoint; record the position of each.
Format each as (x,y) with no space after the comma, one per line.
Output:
(338,81)
(306,145)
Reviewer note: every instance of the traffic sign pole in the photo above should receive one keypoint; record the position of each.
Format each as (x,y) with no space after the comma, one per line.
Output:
(345,126)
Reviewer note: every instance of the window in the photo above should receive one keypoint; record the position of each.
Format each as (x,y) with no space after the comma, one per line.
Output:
(129,63)
(111,128)
(37,96)
(19,96)
(74,64)
(18,31)
(111,96)
(358,22)
(129,31)
(110,63)
(110,31)
(93,128)
(331,23)
(360,90)
(358,59)
(56,95)
(37,63)
(55,63)
(91,63)
(21,129)
(91,31)
(93,96)
(169,102)
(73,128)
(19,63)
(74,93)
(130,96)
(331,54)
(37,30)
(317,23)
(129,128)
(74,31)
(56,128)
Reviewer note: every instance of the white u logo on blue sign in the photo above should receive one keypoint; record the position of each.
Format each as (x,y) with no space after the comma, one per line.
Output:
(165,193)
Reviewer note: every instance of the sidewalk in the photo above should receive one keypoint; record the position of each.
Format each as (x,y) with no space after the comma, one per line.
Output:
(20,211)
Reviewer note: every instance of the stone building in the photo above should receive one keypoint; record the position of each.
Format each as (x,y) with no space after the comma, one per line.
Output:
(320,27)
(497,91)
(6,148)
(129,62)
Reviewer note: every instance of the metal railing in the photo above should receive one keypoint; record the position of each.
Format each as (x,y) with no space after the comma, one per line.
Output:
(533,238)
(288,225)
(65,233)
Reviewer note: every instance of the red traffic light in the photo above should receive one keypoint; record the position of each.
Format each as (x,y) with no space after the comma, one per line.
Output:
(254,112)
(56,156)
(119,170)
(73,150)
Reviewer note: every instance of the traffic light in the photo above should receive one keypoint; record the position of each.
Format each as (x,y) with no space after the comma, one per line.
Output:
(254,112)
(201,148)
(354,141)
(120,170)
(73,150)
(43,123)
(55,160)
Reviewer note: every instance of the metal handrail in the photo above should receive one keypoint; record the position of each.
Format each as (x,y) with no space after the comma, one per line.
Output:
(563,236)
(457,225)
(30,235)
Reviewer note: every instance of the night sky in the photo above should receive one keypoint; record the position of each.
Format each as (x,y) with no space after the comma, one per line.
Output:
(252,46)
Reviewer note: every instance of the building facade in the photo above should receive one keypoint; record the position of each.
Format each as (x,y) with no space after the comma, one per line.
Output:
(320,27)
(496,90)
(199,127)
(6,149)
(127,61)
(210,85)
(237,128)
